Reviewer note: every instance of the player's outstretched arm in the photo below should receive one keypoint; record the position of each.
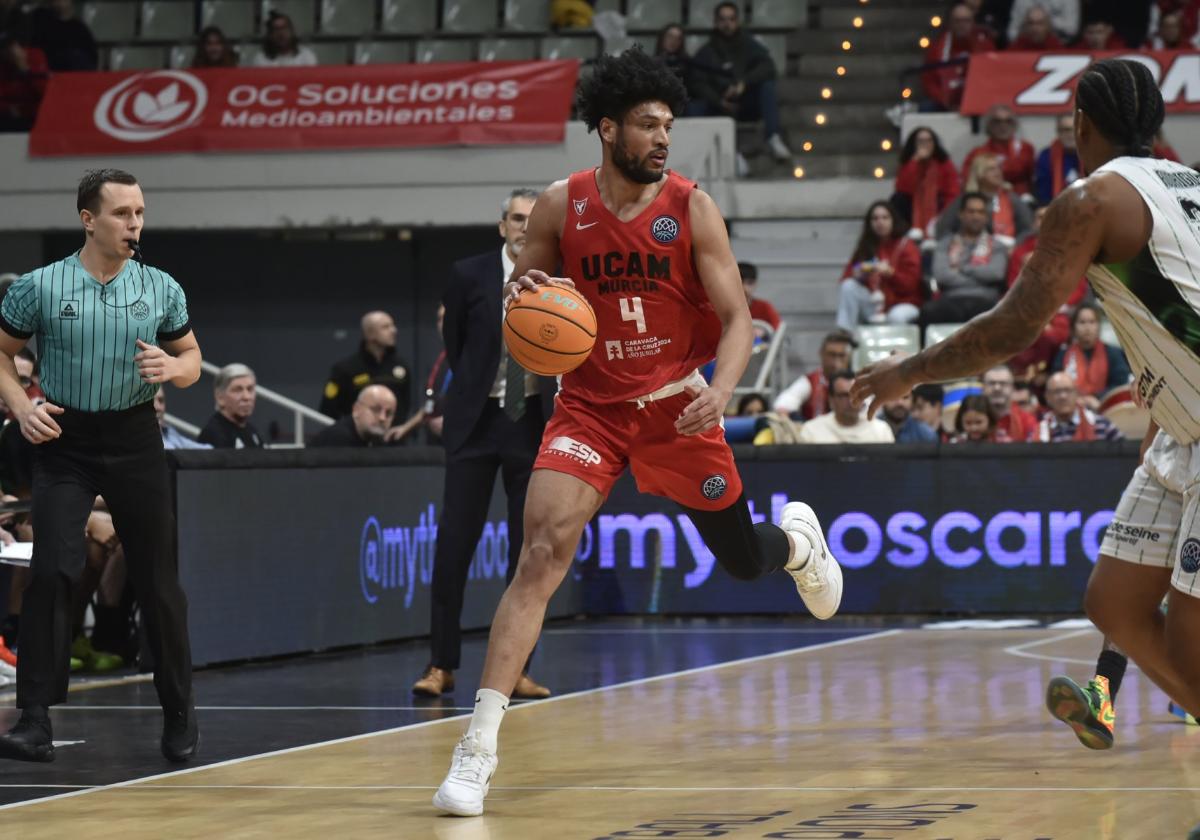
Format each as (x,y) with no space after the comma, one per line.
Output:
(719,275)
(540,255)
(1074,232)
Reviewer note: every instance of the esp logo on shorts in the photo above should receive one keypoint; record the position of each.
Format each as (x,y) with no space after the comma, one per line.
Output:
(572,448)
(714,487)
(1189,556)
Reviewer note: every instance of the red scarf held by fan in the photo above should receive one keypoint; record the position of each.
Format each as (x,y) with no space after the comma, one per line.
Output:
(925,201)
(818,400)
(1003,221)
(1091,377)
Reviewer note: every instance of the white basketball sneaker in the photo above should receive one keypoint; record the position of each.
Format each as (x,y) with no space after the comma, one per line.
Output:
(470,775)
(819,581)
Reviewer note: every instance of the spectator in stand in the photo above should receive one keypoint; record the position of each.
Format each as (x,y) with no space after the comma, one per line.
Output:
(172,437)
(1024,398)
(1034,362)
(1095,367)
(367,423)
(1187,10)
(976,422)
(375,362)
(809,395)
(1058,164)
(927,181)
(281,47)
(845,423)
(969,267)
(1037,33)
(991,17)
(882,281)
(672,49)
(751,405)
(214,50)
(734,75)
(1015,423)
(760,310)
(905,426)
(1162,149)
(927,402)
(1014,154)
(1067,419)
(66,40)
(572,14)
(23,77)
(235,390)
(1098,35)
(1010,218)
(1064,17)
(944,85)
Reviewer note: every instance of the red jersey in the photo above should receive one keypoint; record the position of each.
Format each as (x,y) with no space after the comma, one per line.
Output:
(654,322)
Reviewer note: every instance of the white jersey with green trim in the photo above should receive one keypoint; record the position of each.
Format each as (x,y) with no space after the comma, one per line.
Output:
(1153,300)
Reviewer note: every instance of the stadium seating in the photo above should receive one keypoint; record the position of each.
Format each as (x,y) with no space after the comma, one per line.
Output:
(525,15)
(302,12)
(507,49)
(445,49)
(347,17)
(409,17)
(383,52)
(936,332)
(110,21)
(652,14)
(469,15)
(135,58)
(234,17)
(167,20)
(582,47)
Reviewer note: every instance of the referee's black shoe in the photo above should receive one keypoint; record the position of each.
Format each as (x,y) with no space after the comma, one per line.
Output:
(181,735)
(31,739)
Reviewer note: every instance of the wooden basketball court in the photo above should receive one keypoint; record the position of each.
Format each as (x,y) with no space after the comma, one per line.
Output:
(919,734)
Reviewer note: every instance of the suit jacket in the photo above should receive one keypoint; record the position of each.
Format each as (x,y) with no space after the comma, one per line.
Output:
(471,332)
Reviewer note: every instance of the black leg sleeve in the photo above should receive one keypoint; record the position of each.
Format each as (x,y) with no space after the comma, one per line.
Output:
(745,550)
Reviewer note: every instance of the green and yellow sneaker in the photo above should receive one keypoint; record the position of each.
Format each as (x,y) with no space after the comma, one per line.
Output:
(1087,710)
(90,659)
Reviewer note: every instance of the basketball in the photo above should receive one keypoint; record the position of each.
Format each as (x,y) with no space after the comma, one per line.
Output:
(550,330)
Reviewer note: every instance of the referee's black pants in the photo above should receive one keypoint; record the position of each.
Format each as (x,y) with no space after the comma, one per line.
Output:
(117,455)
(497,443)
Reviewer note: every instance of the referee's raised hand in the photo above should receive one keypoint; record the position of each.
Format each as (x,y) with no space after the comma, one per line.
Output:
(37,424)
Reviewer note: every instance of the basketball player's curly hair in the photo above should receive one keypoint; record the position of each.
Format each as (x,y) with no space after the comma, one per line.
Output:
(1123,101)
(620,83)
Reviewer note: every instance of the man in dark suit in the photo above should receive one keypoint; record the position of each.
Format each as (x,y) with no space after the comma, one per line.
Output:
(495,413)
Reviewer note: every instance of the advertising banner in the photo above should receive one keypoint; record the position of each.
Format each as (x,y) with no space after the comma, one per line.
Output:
(1044,83)
(305,108)
(290,559)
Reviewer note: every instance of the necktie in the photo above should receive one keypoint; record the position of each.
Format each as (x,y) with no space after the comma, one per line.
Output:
(514,388)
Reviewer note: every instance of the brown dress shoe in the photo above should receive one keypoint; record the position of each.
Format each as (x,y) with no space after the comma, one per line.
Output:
(527,689)
(434,682)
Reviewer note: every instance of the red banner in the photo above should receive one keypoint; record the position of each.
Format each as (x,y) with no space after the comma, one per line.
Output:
(335,107)
(1044,83)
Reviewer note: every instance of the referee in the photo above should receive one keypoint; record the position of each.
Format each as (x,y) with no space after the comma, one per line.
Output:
(110,332)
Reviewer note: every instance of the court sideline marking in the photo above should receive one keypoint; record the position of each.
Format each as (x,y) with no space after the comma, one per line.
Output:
(363,736)
(1020,650)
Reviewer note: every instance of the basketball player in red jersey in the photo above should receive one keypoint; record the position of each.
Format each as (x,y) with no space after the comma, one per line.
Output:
(650,253)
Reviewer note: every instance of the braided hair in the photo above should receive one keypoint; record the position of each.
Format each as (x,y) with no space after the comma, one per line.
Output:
(1123,101)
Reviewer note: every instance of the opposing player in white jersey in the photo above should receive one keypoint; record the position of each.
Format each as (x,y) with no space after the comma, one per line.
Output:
(1133,225)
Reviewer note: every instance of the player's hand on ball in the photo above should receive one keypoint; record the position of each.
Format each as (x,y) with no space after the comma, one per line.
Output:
(879,383)
(531,280)
(38,425)
(703,412)
(155,365)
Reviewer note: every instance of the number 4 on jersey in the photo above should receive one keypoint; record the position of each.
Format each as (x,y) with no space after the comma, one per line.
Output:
(631,310)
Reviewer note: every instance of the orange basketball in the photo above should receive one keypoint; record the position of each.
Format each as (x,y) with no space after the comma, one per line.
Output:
(550,330)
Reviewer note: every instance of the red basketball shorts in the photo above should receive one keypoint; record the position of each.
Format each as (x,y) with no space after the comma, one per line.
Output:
(594,442)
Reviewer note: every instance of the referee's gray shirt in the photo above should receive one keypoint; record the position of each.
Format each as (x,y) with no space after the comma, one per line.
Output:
(87,331)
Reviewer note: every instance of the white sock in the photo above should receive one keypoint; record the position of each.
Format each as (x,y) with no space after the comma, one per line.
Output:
(490,707)
(800,553)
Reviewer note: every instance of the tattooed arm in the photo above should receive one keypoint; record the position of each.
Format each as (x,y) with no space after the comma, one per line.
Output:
(1081,224)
